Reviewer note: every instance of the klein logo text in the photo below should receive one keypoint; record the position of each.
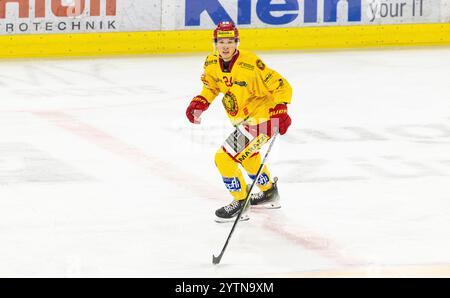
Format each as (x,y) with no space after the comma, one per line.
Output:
(285,13)
(57,8)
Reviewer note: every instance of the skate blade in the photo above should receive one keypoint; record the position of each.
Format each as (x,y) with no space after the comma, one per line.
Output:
(268,205)
(244,217)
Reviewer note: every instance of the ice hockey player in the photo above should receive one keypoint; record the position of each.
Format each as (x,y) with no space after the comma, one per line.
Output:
(255,99)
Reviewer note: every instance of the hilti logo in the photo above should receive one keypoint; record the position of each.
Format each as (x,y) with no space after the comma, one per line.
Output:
(57,7)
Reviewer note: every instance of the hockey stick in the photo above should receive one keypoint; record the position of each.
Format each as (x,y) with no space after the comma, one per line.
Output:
(216,260)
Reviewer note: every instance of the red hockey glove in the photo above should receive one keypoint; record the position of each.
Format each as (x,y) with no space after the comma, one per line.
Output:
(195,108)
(279,118)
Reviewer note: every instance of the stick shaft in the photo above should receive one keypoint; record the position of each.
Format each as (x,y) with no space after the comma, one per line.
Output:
(216,260)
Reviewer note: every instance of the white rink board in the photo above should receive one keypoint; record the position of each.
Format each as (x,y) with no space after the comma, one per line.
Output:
(135,15)
(372,12)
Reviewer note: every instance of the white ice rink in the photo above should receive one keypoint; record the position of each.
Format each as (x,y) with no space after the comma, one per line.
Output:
(102,175)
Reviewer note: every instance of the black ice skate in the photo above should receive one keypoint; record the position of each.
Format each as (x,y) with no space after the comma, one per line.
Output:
(230,211)
(269,199)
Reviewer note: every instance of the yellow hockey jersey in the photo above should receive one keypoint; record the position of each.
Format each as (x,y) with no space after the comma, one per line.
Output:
(250,88)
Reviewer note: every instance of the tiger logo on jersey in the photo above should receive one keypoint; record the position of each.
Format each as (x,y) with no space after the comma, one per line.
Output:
(230,104)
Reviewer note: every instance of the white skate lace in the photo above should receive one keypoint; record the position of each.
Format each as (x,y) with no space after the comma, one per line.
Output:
(231,206)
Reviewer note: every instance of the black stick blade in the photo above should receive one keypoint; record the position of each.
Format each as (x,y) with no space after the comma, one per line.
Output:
(216,260)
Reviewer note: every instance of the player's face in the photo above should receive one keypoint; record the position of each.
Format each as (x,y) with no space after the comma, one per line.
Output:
(226,48)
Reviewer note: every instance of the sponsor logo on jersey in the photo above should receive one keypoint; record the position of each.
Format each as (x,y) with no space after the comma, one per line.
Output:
(230,104)
(210,62)
(260,64)
(241,83)
(204,80)
(246,66)
(267,78)
(280,83)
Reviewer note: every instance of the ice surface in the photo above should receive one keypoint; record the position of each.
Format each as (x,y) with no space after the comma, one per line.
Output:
(101,174)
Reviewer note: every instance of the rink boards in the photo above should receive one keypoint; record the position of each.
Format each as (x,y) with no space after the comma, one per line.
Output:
(129,43)
(49,28)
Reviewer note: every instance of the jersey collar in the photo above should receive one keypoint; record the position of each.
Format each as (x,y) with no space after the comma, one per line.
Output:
(233,59)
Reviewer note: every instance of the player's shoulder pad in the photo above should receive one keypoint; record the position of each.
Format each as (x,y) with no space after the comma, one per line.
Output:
(250,61)
(211,59)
